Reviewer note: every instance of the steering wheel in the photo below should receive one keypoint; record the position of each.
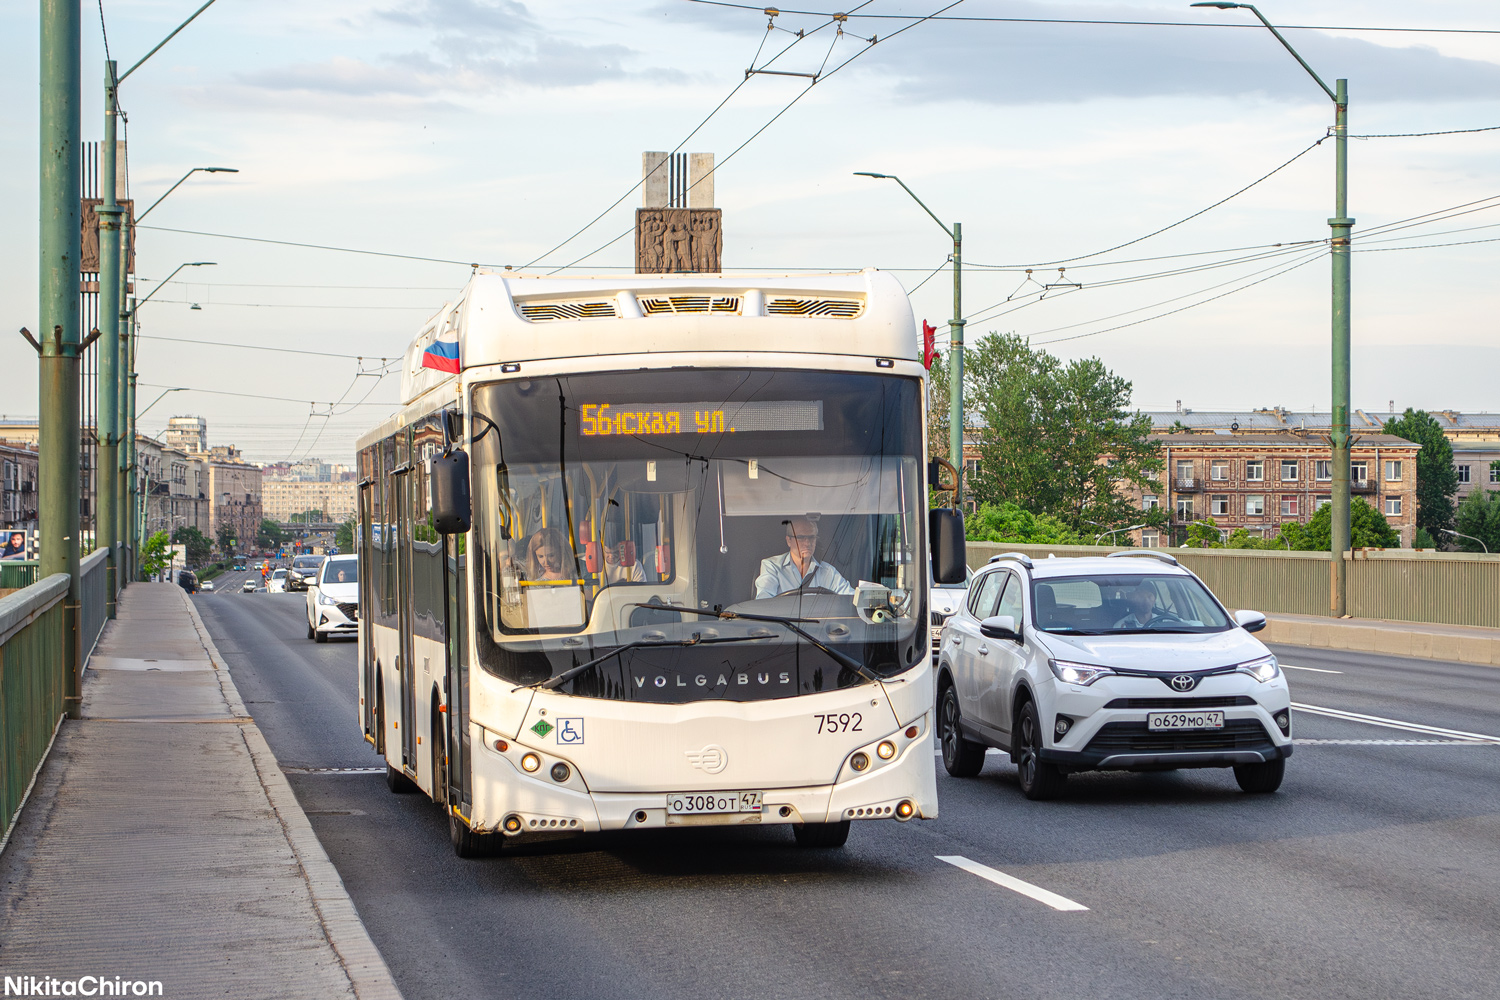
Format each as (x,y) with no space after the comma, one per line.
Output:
(1164,613)
(808,590)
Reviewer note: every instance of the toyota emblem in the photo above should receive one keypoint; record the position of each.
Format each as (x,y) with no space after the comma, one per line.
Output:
(1184,682)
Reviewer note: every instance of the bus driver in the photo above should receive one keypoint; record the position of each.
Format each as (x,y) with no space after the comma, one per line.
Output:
(797,568)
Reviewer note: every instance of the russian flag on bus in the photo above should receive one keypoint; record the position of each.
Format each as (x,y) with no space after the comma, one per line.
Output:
(442,354)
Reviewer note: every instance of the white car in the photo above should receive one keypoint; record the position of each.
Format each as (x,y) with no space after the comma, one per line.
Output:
(276,584)
(333,599)
(1110,663)
(946,599)
(207,586)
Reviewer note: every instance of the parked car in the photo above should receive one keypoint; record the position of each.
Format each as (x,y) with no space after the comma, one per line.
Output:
(1110,663)
(302,571)
(188,581)
(333,599)
(276,584)
(248,586)
(206,586)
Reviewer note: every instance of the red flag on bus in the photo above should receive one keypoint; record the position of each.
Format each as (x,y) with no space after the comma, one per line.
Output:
(929,344)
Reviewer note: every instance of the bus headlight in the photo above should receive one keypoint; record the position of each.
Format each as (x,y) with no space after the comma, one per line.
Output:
(859,761)
(530,762)
(886,750)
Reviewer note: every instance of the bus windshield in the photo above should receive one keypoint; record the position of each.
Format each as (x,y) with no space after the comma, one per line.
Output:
(610,509)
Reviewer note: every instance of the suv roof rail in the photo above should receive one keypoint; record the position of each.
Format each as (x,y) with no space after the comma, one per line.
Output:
(1148,553)
(1019,557)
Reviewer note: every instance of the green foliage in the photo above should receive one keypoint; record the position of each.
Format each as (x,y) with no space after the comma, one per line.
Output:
(309,517)
(1368,529)
(1057,438)
(1423,540)
(1479,516)
(937,408)
(226,539)
(1008,522)
(1203,535)
(270,535)
(343,537)
(196,542)
(1178,427)
(1437,479)
(154,555)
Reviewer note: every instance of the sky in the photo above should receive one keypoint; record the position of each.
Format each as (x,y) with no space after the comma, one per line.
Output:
(498,132)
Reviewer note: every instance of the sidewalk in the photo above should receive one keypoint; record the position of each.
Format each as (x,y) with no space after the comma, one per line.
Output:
(1455,643)
(162,842)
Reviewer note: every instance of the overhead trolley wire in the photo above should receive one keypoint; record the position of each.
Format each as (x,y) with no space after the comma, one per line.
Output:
(261,347)
(1127,23)
(785,108)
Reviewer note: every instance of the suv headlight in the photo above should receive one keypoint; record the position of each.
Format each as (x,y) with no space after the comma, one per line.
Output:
(1082,674)
(325,599)
(1263,669)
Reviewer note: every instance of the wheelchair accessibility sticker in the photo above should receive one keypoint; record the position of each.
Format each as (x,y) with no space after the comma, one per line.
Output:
(570,732)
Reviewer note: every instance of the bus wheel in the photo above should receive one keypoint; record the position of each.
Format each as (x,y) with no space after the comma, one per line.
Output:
(821,834)
(397,781)
(467,843)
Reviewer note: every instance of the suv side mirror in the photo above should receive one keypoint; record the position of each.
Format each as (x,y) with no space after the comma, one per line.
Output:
(1250,621)
(451,510)
(945,530)
(1000,627)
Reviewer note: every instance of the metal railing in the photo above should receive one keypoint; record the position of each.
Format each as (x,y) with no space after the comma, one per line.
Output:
(1447,588)
(33,642)
(17,573)
(93,581)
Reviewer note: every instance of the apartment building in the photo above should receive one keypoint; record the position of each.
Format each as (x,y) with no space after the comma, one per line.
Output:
(285,499)
(1260,481)
(18,482)
(234,492)
(174,485)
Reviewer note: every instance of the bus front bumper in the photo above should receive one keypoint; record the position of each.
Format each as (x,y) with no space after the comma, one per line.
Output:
(509,800)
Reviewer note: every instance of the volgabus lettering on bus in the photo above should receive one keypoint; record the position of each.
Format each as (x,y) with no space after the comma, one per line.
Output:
(725,679)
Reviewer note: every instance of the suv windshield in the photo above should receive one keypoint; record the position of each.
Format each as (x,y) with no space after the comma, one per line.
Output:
(774,493)
(307,562)
(1128,603)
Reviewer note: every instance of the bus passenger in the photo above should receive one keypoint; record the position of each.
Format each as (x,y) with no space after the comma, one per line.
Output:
(620,562)
(545,555)
(797,569)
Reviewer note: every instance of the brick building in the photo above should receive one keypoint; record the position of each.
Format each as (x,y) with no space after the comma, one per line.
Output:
(234,491)
(18,484)
(175,486)
(1259,481)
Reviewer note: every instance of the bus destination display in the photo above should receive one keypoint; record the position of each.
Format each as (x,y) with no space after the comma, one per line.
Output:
(642,419)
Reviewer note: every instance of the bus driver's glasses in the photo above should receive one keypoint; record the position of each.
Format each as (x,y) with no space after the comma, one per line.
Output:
(806,540)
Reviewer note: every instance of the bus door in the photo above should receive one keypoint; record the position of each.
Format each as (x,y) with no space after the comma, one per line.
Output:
(366,637)
(401,482)
(456,637)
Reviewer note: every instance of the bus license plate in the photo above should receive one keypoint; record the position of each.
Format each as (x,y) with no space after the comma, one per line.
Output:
(1159,721)
(699,803)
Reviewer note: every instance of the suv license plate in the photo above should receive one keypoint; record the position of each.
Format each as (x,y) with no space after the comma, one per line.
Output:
(1159,721)
(699,803)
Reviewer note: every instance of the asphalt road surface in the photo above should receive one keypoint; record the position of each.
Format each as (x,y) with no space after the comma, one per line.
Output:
(1373,873)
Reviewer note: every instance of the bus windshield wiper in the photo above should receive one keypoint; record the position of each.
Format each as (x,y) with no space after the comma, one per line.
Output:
(552,683)
(842,659)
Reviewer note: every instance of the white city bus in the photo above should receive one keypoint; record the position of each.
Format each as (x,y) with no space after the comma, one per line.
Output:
(623,630)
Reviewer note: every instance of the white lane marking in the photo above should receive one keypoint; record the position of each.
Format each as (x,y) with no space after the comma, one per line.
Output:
(1316,670)
(1410,727)
(1035,892)
(1396,743)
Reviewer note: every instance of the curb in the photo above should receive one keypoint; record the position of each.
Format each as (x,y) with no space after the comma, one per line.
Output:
(368,974)
(1390,639)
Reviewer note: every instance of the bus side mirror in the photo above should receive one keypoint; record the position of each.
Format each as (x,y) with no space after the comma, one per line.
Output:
(450,493)
(945,529)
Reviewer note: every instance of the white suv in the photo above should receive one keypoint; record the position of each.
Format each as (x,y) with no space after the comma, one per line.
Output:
(1108,663)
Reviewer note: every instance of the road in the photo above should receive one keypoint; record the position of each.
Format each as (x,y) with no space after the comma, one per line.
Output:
(1374,872)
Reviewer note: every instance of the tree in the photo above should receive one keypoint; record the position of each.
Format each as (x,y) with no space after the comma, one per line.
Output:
(343,538)
(269,536)
(1008,522)
(154,555)
(309,517)
(1423,540)
(226,539)
(196,542)
(1368,529)
(1056,438)
(1203,535)
(1479,517)
(1437,479)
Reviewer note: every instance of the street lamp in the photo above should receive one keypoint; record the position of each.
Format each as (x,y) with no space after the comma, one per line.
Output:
(1460,534)
(956,341)
(174,187)
(1341,225)
(1111,531)
(115,522)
